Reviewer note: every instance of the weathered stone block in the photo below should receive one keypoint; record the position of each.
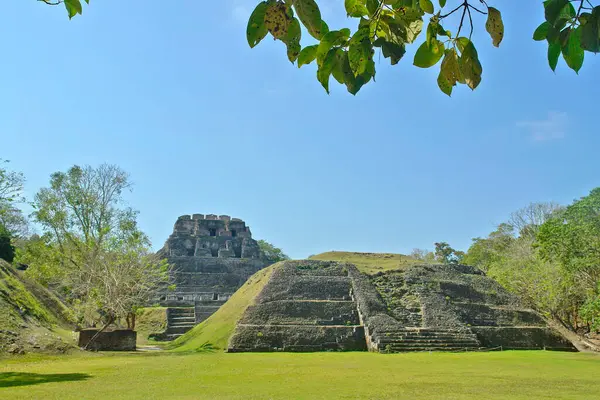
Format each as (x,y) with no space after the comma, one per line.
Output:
(117,340)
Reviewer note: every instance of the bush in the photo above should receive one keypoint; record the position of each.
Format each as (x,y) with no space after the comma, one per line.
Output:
(7,251)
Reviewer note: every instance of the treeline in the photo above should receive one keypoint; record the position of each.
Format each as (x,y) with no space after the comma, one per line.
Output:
(547,254)
(550,256)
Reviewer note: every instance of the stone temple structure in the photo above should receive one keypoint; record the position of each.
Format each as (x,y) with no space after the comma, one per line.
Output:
(212,256)
(311,305)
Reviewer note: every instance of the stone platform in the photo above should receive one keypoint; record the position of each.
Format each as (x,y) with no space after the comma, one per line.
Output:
(322,306)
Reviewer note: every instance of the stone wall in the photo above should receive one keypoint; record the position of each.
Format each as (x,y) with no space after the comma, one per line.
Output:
(305,306)
(460,299)
(117,340)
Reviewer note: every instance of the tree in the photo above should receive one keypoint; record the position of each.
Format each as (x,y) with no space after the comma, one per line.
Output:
(270,253)
(527,220)
(572,238)
(571,28)
(7,250)
(545,255)
(11,194)
(423,255)
(447,255)
(104,263)
(486,252)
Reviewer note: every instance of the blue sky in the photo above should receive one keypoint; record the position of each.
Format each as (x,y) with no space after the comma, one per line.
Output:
(172,94)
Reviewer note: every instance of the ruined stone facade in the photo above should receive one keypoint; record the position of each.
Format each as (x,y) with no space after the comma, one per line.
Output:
(212,256)
(324,305)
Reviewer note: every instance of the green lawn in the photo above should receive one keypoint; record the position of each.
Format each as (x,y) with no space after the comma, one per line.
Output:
(498,375)
(370,263)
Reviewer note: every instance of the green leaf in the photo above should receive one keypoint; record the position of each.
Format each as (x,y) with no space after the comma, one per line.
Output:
(257,30)
(444,84)
(329,40)
(353,83)
(324,28)
(553,54)
(573,53)
(450,67)
(307,55)
(372,6)
(73,7)
(590,32)
(325,69)
(355,8)
(541,31)
(427,6)
(469,65)
(427,56)
(495,26)
(338,71)
(462,43)
(391,50)
(442,3)
(292,40)
(359,50)
(310,15)
(553,9)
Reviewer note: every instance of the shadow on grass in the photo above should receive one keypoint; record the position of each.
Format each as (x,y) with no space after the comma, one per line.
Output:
(8,379)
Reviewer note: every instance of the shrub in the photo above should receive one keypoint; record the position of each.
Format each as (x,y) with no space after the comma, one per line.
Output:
(7,250)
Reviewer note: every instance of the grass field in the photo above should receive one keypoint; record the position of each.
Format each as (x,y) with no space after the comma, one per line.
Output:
(498,375)
(370,263)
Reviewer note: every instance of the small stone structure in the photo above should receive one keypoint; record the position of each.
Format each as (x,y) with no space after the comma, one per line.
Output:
(323,305)
(212,256)
(117,340)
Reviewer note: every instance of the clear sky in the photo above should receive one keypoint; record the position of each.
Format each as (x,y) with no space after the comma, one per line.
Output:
(171,92)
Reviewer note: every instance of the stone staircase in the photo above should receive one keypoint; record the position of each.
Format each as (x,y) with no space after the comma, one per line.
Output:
(398,340)
(179,321)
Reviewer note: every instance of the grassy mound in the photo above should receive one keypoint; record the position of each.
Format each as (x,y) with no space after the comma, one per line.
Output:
(31,318)
(370,263)
(150,320)
(216,330)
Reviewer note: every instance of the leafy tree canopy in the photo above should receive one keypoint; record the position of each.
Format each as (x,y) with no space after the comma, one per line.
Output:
(549,256)
(92,249)
(271,253)
(571,28)
(447,255)
(11,194)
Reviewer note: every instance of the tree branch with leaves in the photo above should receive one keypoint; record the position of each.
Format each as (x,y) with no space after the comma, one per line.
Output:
(571,28)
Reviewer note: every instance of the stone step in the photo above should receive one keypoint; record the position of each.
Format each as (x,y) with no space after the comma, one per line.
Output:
(181,326)
(427,349)
(421,334)
(172,336)
(181,310)
(426,337)
(411,345)
(184,319)
(181,313)
(441,341)
(178,329)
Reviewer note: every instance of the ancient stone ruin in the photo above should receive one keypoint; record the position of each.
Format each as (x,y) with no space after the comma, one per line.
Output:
(212,256)
(324,305)
(111,340)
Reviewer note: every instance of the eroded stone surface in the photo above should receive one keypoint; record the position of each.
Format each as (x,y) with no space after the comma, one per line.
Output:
(212,256)
(322,306)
